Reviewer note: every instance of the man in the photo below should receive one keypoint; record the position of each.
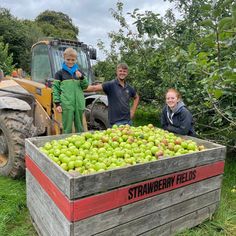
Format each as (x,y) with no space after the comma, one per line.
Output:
(119,94)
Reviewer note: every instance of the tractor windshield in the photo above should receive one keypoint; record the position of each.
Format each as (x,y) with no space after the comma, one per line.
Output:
(41,66)
(82,60)
(48,59)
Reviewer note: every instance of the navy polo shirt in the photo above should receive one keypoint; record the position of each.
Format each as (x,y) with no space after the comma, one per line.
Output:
(118,100)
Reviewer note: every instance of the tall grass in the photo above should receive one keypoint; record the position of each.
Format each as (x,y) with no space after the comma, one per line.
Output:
(14,216)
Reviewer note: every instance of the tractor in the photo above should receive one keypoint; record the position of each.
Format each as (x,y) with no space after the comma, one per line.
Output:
(26,107)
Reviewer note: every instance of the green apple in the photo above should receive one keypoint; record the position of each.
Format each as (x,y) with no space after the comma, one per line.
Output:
(154,149)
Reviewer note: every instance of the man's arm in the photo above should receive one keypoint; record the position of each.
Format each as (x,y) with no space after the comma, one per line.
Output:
(94,88)
(134,107)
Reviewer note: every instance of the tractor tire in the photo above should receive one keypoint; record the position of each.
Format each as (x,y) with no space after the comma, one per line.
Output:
(97,117)
(15,127)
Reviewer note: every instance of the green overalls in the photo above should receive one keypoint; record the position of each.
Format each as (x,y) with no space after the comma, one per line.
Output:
(68,92)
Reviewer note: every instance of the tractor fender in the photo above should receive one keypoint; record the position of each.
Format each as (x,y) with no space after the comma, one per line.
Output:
(96,98)
(14,104)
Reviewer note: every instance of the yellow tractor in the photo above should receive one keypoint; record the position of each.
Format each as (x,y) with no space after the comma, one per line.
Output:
(26,107)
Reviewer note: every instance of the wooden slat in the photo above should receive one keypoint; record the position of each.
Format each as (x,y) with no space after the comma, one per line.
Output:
(185,222)
(127,213)
(158,218)
(37,221)
(44,212)
(40,141)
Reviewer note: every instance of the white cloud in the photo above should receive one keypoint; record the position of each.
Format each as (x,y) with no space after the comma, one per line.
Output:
(92,17)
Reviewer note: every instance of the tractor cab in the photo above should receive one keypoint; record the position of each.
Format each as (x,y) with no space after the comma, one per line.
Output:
(47,59)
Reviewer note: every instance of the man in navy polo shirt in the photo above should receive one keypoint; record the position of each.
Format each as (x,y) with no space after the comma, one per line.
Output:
(119,95)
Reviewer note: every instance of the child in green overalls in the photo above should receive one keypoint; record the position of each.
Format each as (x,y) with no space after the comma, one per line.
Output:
(68,93)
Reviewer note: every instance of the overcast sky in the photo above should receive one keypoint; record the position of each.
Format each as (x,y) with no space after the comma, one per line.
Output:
(92,17)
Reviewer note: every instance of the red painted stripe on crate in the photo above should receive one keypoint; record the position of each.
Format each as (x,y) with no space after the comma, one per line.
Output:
(62,202)
(96,204)
(103,202)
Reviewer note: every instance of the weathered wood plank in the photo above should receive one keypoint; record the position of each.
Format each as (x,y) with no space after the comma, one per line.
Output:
(147,206)
(185,222)
(163,216)
(43,210)
(39,225)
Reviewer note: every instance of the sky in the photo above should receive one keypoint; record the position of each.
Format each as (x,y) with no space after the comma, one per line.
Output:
(93,18)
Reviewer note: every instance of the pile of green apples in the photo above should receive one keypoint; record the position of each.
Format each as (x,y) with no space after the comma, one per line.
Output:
(116,147)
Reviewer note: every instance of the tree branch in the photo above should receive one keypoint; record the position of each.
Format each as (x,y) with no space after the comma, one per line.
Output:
(219,111)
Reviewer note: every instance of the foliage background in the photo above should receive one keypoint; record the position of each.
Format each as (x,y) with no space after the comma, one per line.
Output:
(195,54)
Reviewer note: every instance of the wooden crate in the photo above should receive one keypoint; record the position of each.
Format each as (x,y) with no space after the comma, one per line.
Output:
(156,198)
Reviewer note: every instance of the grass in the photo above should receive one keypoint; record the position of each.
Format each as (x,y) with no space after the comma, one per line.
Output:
(14,216)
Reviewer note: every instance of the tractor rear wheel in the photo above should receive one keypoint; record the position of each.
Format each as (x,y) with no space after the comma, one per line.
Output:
(15,127)
(97,116)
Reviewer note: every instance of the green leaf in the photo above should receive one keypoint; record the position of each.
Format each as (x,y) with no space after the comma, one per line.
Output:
(229,114)
(234,14)
(217,93)
(202,55)
(208,23)
(225,23)
(206,7)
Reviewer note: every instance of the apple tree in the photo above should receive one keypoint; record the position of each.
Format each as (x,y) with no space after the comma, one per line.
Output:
(195,54)
(6,60)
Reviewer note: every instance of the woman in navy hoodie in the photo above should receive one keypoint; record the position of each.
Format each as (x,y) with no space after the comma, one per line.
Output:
(175,116)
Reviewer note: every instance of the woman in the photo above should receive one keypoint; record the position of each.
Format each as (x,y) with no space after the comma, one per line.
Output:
(175,116)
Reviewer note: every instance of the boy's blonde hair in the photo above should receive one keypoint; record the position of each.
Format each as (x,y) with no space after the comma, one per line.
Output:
(122,66)
(70,52)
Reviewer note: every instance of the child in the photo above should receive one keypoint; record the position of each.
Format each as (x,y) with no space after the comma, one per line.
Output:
(175,116)
(68,93)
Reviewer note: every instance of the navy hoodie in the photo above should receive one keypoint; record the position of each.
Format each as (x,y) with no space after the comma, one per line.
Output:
(179,120)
